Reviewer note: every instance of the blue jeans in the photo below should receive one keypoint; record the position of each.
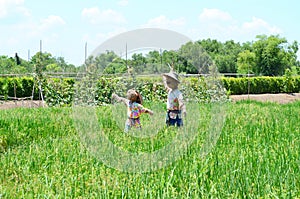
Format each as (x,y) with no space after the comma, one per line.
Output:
(173,118)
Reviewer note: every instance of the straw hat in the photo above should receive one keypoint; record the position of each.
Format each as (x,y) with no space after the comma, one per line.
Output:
(172,75)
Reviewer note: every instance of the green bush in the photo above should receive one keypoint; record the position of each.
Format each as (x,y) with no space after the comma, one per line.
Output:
(3,87)
(98,90)
(59,92)
(260,85)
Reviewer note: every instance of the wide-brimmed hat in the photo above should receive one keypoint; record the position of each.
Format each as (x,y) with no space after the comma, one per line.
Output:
(172,75)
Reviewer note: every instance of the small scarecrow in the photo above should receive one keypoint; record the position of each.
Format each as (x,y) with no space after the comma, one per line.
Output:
(175,104)
(135,108)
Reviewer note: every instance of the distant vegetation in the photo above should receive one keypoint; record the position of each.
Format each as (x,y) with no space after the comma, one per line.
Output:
(266,56)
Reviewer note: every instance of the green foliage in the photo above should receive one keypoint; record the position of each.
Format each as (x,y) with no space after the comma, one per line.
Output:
(115,68)
(245,62)
(100,62)
(226,60)
(98,90)
(289,85)
(256,156)
(3,86)
(39,63)
(15,88)
(197,60)
(260,85)
(53,68)
(7,64)
(105,87)
(268,56)
(19,87)
(273,55)
(20,127)
(28,86)
(59,92)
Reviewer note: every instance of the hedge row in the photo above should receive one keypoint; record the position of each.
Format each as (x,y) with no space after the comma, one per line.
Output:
(260,85)
(18,87)
(95,90)
(55,91)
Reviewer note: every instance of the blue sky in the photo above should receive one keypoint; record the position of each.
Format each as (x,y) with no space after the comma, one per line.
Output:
(64,27)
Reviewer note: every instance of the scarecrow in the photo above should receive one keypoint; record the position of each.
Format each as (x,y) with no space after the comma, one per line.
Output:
(135,108)
(175,104)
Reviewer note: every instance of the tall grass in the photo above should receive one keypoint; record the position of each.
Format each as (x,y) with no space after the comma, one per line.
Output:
(256,156)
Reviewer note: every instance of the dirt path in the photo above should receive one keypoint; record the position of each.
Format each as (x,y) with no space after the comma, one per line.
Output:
(21,103)
(280,98)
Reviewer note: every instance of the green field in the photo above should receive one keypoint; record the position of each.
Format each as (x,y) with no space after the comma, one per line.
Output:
(256,155)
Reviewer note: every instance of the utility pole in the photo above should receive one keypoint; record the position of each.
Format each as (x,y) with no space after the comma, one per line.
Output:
(248,83)
(39,71)
(85,55)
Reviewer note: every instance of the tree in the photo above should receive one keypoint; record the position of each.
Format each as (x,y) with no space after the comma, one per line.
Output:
(53,68)
(117,66)
(197,60)
(273,55)
(226,60)
(152,60)
(245,62)
(171,57)
(138,63)
(60,61)
(18,60)
(41,60)
(212,47)
(103,60)
(18,69)
(6,64)
(224,55)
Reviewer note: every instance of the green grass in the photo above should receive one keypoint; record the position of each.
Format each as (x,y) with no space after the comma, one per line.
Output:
(256,156)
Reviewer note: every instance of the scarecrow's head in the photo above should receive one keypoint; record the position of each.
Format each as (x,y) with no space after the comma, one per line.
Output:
(171,80)
(134,96)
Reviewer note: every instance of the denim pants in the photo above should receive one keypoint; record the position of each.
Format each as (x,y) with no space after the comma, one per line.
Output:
(173,118)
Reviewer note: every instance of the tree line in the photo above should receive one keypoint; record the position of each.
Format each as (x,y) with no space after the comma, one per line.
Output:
(266,56)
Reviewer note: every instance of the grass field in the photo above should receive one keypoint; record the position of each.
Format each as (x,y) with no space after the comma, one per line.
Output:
(255,156)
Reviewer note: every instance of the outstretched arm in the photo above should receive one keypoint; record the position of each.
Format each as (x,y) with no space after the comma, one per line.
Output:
(145,110)
(119,99)
(165,84)
(148,111)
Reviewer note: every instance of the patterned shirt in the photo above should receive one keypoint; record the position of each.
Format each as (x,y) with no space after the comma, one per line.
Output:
(134,109)
(174,96)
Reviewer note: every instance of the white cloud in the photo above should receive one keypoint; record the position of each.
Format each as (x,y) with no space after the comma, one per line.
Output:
(51,21)
(220,25)
(123,3)
(214,15)
(101,37)
(163,22)
(259,25)
(8,7)
(96,16)
(94,40)
(31,30)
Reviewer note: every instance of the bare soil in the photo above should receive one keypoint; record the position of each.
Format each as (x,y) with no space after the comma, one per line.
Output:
(21,103)
(281,98)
